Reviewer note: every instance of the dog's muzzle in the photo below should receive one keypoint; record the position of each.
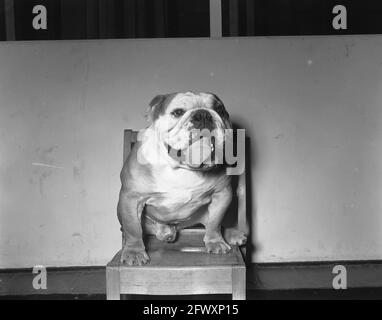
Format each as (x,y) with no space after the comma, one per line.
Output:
(199,155)
(196,142)
(202,119)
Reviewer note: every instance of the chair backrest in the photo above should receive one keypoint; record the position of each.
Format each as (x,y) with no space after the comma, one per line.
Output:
(130,138)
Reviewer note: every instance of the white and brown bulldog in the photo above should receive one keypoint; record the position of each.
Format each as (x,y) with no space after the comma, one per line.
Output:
(174,176)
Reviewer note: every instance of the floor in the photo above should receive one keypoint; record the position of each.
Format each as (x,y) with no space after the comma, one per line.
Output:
(265,282)
(350,294)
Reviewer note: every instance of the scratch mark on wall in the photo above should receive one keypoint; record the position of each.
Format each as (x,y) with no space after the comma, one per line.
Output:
(46,165)
(42,178)
(78,169)
(280,135)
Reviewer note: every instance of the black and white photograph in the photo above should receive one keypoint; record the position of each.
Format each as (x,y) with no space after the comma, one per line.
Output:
(190,152)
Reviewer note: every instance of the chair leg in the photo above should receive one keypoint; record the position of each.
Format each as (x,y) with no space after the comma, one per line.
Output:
(238,283)
(112,284)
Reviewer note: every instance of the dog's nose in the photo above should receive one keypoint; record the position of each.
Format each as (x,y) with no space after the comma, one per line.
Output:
(201,119)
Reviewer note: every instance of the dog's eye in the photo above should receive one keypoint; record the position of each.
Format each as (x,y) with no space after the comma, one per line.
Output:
(177,113)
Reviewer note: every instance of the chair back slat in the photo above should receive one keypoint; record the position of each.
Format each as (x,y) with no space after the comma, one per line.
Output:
(130,138)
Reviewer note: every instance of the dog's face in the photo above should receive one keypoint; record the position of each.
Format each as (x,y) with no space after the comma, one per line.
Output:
(191,127)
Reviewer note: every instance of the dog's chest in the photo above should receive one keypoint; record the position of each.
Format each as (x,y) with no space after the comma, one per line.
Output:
(183,192)
(180,200)
(170,180)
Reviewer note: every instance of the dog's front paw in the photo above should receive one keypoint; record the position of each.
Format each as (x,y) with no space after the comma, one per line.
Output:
(134,257)
(235,237)
(217,247)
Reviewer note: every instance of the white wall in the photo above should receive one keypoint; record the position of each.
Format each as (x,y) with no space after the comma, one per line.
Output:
(312,106)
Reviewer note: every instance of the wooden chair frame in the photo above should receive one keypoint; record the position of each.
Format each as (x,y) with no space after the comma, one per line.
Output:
(205,274)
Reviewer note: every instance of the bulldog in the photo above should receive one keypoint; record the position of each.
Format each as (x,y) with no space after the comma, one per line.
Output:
(174,176)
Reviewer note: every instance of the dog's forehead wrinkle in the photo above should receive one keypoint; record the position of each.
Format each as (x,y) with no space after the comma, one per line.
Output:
(190,100)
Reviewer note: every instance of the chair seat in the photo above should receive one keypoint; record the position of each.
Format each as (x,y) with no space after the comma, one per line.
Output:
(187,250)
(182,267)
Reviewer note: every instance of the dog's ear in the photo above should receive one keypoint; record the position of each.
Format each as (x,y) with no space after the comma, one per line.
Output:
(155,107)
(226,119)
(221,110)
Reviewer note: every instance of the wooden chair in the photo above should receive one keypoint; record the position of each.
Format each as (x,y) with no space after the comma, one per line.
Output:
(182,267)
